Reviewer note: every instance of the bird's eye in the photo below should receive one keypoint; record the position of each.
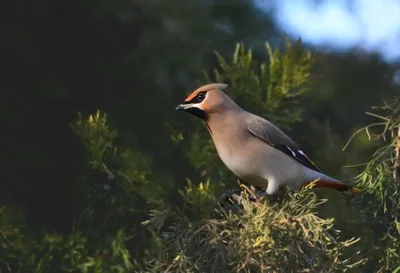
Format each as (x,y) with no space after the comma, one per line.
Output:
(201,96)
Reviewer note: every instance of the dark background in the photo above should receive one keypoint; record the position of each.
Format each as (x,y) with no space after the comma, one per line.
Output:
(135,60)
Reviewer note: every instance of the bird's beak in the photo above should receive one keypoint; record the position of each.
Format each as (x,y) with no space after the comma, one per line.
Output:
(182,107)
(192,109)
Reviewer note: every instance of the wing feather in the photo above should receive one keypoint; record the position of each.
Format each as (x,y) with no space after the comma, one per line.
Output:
(273,136)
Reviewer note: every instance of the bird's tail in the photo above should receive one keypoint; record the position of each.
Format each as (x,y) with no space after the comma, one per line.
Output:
(328,182)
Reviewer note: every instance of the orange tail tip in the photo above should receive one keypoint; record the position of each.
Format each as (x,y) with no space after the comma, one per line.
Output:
(344,188)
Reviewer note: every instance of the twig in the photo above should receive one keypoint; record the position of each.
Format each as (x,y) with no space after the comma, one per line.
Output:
(396,158)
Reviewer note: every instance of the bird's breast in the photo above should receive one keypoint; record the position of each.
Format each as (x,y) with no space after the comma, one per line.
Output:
(249,166)
(256,162)
(241,153)
(241,160)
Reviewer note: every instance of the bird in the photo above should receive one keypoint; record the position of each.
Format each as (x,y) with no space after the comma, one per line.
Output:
(253,148)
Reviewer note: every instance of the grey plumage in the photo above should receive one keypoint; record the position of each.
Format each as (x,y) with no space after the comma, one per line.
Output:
(252,147)
(267,131)
(273,136)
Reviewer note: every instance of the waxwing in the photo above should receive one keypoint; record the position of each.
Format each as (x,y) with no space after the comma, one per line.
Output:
(253,148)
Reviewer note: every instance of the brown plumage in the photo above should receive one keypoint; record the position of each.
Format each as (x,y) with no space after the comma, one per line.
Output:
(253,148)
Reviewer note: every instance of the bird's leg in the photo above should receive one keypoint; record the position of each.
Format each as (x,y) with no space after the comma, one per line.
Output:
(273,186)
(254,192)
(270,191)
(261,193)
(275,197)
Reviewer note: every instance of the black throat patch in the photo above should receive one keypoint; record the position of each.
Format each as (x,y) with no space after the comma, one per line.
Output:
(197,113)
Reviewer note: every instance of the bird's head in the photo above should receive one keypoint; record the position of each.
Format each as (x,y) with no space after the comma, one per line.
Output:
(205,100)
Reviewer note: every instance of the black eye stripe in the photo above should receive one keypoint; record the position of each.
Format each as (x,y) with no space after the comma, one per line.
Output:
(199,98)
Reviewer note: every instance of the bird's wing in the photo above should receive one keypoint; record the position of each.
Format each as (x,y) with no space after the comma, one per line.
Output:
(273,136)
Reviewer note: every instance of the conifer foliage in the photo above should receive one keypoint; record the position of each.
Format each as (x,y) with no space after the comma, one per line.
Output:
(288,236)
(381,184)
(124,222)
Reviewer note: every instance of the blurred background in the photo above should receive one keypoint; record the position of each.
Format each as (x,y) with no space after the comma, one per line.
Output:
(136,60)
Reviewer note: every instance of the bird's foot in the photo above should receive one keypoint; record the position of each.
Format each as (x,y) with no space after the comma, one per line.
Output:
(261,194)
(274,198)
(254,194)
(230,199)
(235,195)
(229,193)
